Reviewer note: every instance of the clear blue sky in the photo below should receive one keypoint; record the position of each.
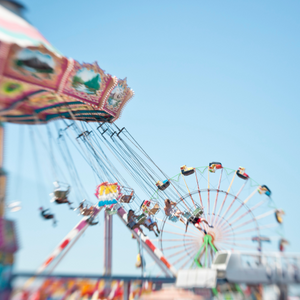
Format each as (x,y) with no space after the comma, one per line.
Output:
(213,80)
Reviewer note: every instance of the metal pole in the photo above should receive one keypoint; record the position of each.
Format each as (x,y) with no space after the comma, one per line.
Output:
(142,257)
(126,290)
(110,234)
(107,244)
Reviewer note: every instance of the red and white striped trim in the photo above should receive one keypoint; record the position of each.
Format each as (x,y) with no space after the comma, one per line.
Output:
(82,225)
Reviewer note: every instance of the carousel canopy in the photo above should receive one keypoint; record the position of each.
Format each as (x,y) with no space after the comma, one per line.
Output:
(38,84)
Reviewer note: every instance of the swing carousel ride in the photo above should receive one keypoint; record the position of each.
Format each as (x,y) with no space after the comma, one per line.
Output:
(67,108)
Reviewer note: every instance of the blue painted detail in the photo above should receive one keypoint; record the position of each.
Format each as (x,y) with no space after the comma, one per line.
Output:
(107,202)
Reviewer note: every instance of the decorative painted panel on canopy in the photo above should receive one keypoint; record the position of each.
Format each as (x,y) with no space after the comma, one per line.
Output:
(38,86)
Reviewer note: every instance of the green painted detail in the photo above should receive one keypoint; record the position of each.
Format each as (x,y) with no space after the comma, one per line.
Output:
(204,168)
(215,291)
(238,288)
(206,241)
(178,176)
(153,195)
(229,172)
(253,184)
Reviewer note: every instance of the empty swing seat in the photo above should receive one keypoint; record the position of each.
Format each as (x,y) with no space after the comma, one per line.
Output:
(61,194)
(197,212)
(187,215)
(126,198)
(213,166)
(154,210)
(187,171)
(241,173)
(162,185)
(145,206)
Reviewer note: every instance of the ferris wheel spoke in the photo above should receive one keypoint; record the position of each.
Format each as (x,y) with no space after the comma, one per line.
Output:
(179,195)
(171,224)
(180,258)
(255,219)
(175,240)
(247,199)
(179,252)
(188,190)
(239,239)
(175,233)
(198,187)
(242,232)
(186,262)
(239,226)
(268,226)
(265,214)
(199,192)
(216,200)
(227,210)
(240,245)
(247,212)
(222,205)
(178,246)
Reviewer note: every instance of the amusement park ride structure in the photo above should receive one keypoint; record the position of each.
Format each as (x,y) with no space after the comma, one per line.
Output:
(211,208)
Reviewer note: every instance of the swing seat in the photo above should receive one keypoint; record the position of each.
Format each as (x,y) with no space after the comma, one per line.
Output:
(187,171)
(197,212)
(141,219)
(154,210)
(162,185)
(126,199)
(241,173)
(146,203)
(61,194)
(264,190)
(213,166)
(172,218)
(145,206)
(187,215)
(111,211)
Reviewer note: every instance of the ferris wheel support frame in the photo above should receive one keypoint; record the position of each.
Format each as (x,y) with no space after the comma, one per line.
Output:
(206,241)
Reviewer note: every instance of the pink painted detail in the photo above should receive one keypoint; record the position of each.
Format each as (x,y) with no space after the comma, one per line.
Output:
(81,225)
(27,30)
(121,211)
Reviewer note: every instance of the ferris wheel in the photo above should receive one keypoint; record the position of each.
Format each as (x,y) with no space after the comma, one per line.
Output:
(217,208)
